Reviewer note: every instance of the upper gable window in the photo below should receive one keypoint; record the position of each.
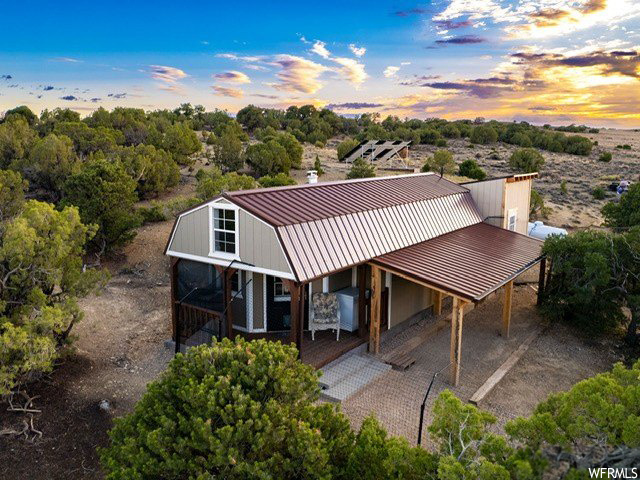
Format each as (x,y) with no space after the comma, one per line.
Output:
(224,231)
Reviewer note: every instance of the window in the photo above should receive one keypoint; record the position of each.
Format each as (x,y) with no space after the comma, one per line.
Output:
(280,290)
(224,232)
(236,284)
(513,218)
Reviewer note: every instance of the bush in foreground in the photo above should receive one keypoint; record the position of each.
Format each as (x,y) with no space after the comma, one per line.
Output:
(471,169)
(361,169)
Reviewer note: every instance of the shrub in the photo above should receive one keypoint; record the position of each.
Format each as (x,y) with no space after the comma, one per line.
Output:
(182,142)
(577,145)
(441,163)
(153,213)
(212,182)
(346,146)
(537,207)
(429,136)
(153,169)
(361,169)
(484,134)
(450,131)
(12,188)
(317,166)
(105,196)
(41,265)
(625,213)
(268,158)
(563,187)
(605,157)
(526,160)
(227,151)
(598,193)
(231,410)
(51,161)
(470,169)
(279,180)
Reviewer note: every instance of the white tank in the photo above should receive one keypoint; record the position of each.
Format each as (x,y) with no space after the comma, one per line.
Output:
(541,231)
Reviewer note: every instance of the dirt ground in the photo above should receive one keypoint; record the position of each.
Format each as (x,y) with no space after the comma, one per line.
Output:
(120,342)
(554,362)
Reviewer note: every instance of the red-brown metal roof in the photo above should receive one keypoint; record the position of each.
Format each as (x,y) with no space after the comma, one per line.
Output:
(310,202)
(319,247)
(470,262)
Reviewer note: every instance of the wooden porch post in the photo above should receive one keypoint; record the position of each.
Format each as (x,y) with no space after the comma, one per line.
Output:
(437,302)
(173,272)
(506,308)
(456,339)
(362,301)
(541,279)
(376,303)
(226,297)
(297,313)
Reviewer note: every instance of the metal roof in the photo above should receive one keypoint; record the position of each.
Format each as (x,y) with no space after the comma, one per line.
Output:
(305,203)
(470,263)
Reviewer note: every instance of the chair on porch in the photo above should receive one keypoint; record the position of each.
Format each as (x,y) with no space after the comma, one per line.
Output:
(325,313)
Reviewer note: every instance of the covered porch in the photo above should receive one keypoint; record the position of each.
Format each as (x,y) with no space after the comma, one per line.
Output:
(467,265)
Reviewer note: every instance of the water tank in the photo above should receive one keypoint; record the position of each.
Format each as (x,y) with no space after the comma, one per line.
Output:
(541,231)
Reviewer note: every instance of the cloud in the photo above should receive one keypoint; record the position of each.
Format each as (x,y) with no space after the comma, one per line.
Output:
(357,51)
(232,76)
(47,88)
(351,69)
(118,96)
(452,24)
(592,6)
(66,60)
(542,108)
(297,74)
(353,106)
(605,63)
(390,71)
(462,40)
(165,74)
(95,100)
(69,98)
(233,56)
(411,11)
(319,48)
(5,77)
(419,80)
(262,95)
(228,92)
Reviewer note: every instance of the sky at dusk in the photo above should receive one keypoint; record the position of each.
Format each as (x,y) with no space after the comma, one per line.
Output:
(544,61)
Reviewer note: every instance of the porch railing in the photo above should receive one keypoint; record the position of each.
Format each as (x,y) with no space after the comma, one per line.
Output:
(198,322)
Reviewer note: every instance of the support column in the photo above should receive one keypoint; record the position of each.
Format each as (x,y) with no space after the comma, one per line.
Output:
(228,308)
(541,279)
(173,272)
(376,303)
(456,339)
(437,302)
(506,308)
(362,301)
(297,313)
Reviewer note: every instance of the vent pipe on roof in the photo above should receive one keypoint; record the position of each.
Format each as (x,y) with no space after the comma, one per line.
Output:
(312,176)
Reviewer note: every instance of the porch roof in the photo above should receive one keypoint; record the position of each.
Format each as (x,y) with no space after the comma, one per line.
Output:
(469,263)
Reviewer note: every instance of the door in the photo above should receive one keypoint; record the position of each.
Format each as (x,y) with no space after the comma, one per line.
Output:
(278,305)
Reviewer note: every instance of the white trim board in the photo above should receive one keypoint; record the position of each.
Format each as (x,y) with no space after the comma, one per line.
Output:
(224,263)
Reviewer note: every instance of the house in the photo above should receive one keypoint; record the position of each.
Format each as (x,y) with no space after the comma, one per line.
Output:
(380,152)
(248,262)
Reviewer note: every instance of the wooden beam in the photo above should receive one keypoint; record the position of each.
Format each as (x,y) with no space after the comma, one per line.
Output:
(541,279)
(456,339)
(424,284)
(506,308)
(376,304)
(503,369)
(362,301)
(437,302)
(297,313)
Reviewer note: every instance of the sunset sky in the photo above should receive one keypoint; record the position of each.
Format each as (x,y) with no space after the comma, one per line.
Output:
(544,61)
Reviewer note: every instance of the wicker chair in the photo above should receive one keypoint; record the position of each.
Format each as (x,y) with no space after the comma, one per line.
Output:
(325,313)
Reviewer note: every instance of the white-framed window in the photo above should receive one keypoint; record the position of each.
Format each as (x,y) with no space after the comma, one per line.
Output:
(280,291)
(224,231)
(512,219)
